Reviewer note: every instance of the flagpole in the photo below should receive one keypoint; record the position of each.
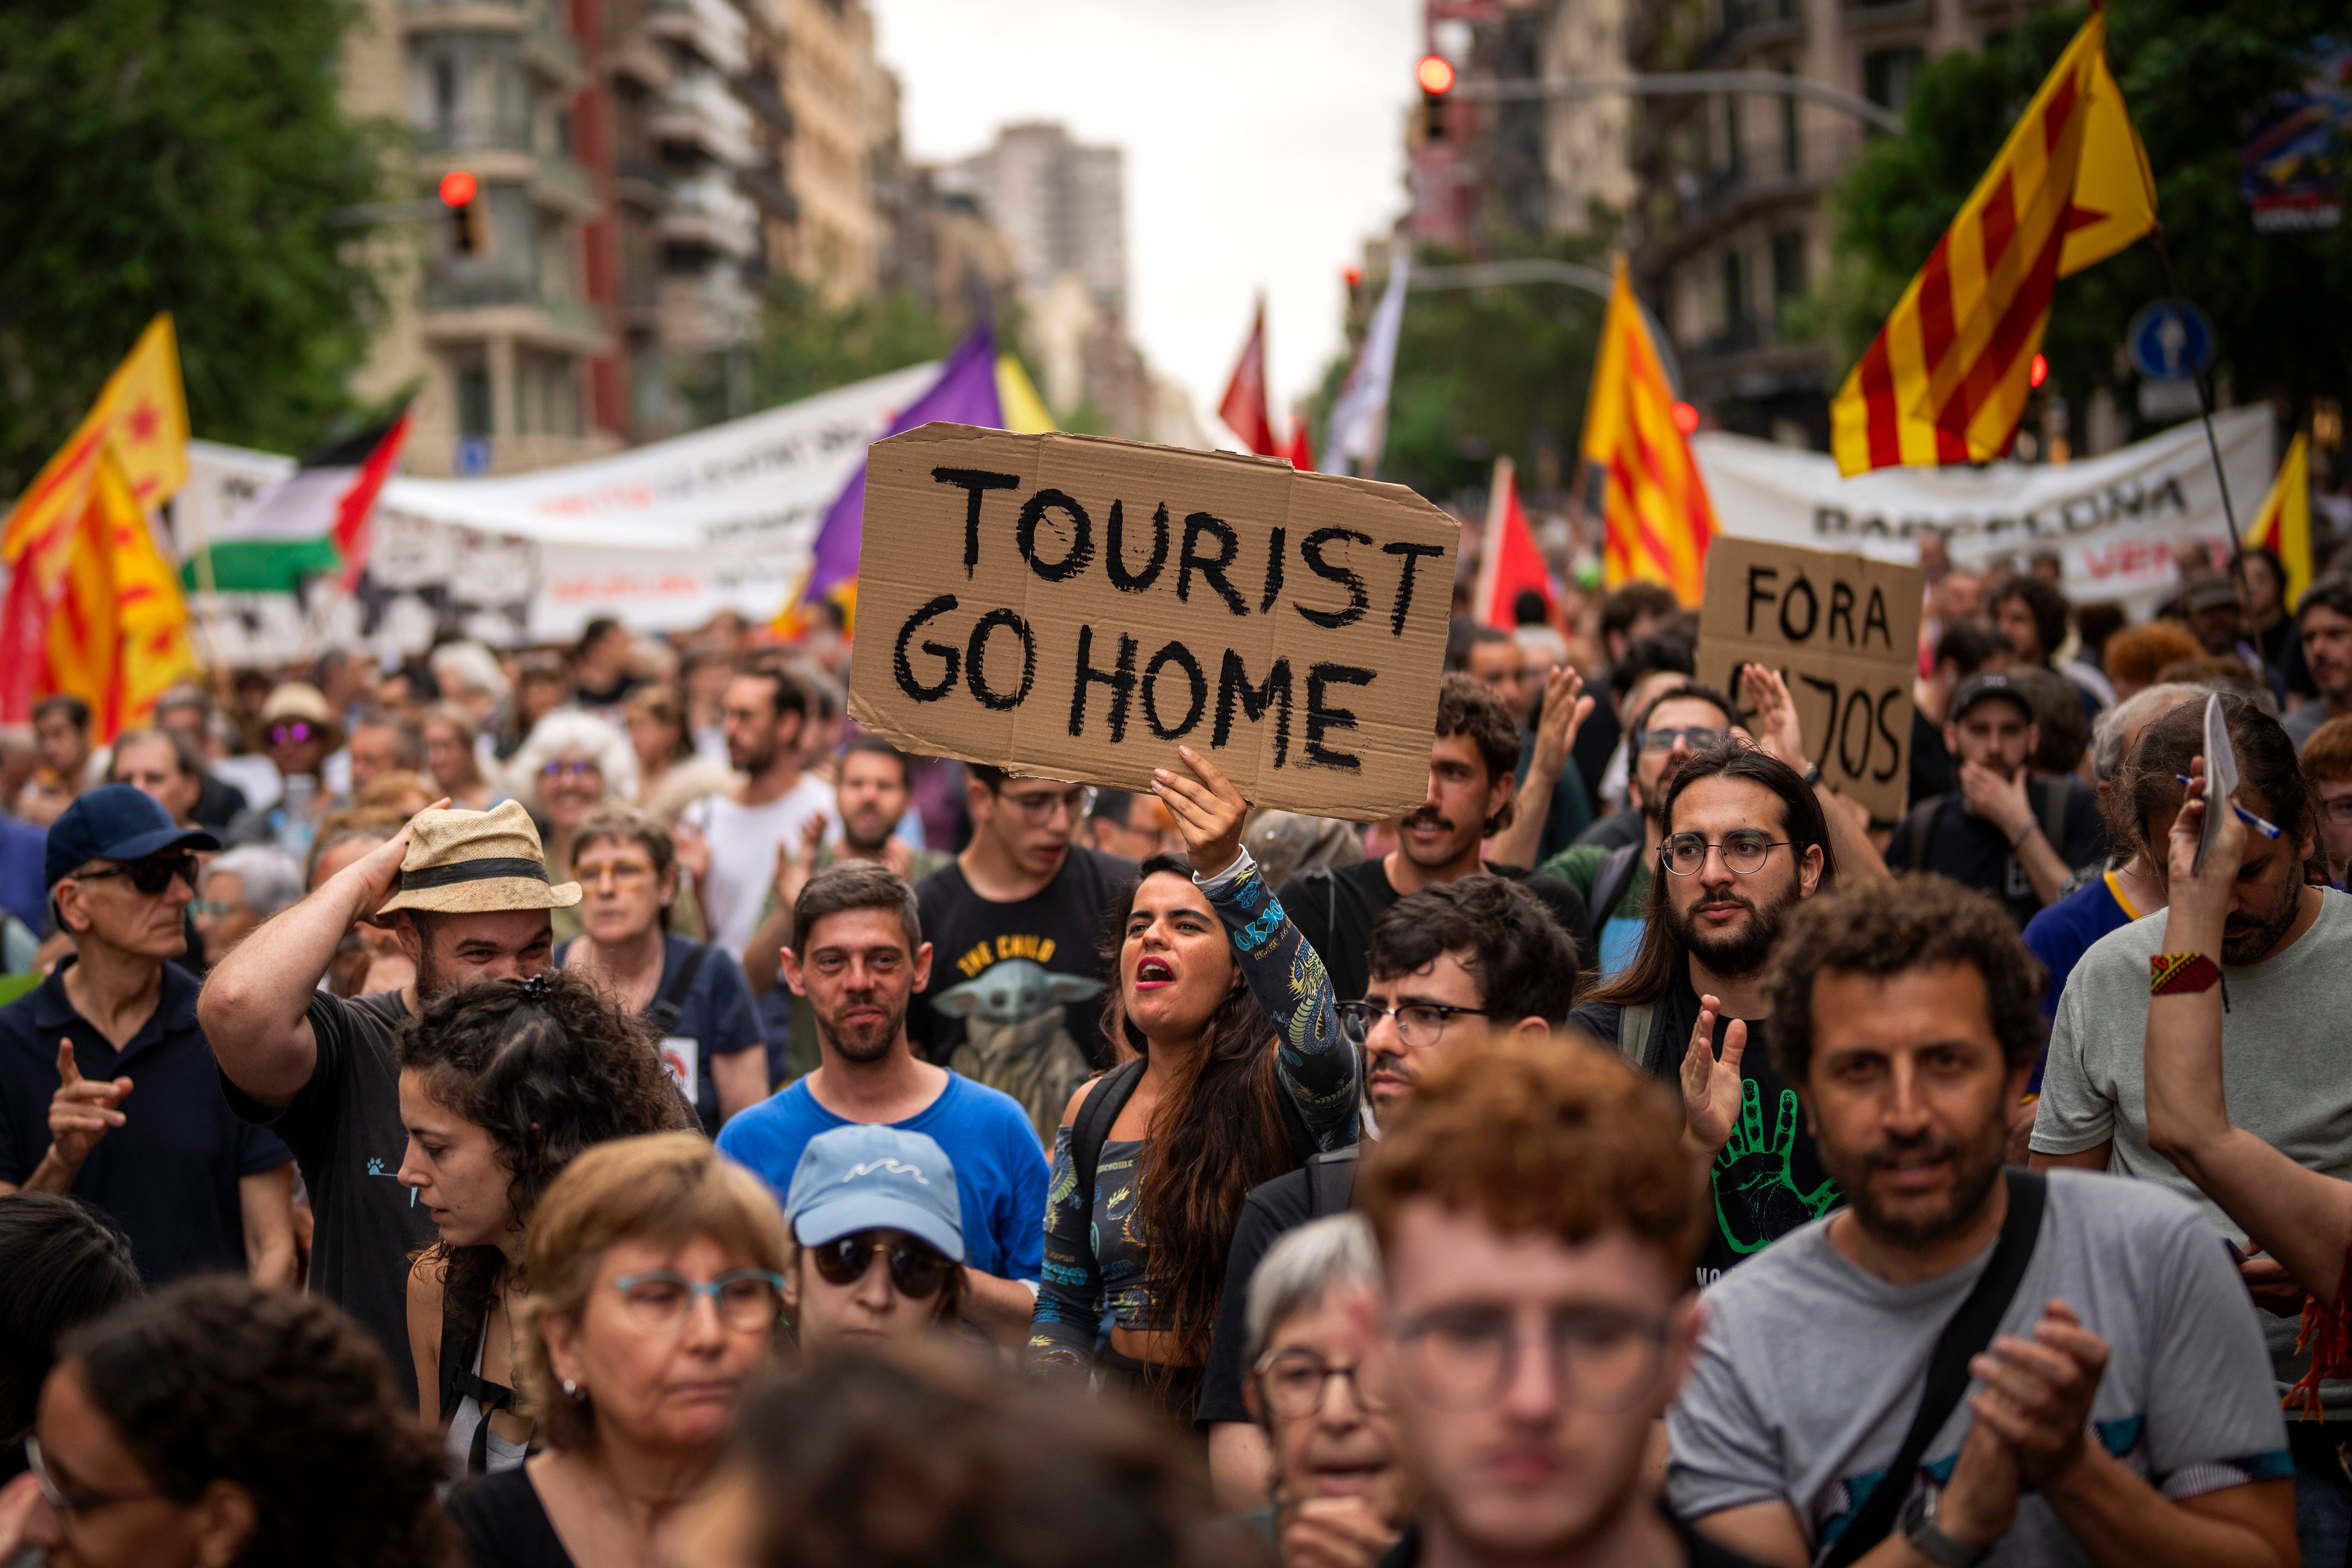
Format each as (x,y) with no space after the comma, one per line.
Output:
(2221,476)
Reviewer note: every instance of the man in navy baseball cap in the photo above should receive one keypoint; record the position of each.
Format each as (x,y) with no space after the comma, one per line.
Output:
(108,1089)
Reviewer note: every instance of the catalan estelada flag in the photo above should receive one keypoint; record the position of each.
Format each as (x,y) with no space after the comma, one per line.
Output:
(2283,525)
(1656,515)
(1947,377)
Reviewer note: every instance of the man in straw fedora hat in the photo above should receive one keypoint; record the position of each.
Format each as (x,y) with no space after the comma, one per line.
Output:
(466,892)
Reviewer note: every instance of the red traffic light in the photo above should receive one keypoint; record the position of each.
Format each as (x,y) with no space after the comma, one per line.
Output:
(2038,372)
(1686,418)
(458,188)
(1435,74)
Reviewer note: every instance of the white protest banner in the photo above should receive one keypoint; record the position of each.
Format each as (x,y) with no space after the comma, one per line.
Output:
(2118,523)
(661,536)
(1074,608)
(1843,631)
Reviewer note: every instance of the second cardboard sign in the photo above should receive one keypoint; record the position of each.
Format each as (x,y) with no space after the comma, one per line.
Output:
(1075,608)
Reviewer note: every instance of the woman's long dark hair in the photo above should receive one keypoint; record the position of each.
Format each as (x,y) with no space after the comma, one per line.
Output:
(1218,1132)
(1660,958)
(548,1068)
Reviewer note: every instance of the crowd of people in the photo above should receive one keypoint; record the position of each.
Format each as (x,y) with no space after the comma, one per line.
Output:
(594,1106)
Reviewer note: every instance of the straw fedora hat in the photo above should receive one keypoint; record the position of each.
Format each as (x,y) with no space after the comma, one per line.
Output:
(476,862)
(299,702)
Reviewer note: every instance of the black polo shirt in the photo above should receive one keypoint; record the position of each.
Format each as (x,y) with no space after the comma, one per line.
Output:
(169,1174)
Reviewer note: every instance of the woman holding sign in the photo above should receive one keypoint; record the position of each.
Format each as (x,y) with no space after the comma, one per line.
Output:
(1243,1073)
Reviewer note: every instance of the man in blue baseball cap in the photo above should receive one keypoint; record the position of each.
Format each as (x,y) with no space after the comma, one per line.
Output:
(880,1229)
(107,1088)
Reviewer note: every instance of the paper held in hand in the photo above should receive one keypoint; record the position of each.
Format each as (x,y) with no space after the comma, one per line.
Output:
(2220,779)
(1843,631)
(1074,608)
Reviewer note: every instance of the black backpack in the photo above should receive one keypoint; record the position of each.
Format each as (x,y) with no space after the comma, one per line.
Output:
(2051,817)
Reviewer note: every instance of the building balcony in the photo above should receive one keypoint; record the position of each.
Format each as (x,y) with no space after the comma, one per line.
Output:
(1748,25)
(459,304)
(562,185)
(712,310)
(713,29)
(758,89)
(641,181)
(1887,14)
(638,57)
(1707,203)
(708,212)
(698,112)
(546,49)
(765,185)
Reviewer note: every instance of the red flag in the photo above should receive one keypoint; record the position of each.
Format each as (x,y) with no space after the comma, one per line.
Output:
(355,513)
(1302,445)
(1244,409)
(1509,562)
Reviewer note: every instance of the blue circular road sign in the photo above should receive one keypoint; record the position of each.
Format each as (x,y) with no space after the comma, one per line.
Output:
(2170,339)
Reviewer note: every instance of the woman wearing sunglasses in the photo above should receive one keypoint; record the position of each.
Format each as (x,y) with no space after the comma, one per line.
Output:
(501,1086)
(1243,1073)
(573,763)
(657,1273)
(880,1237)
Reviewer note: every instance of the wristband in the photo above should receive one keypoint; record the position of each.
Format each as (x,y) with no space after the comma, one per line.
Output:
(2180,974)
(2018,837)
(1812,775)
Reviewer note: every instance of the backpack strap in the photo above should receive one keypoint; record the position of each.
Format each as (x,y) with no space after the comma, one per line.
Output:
(1610,881)
(665,1012)
(1633,1031)
(1331,1181)
(1922,818)
(1092,1130)
(2056,796)
(1969,1330)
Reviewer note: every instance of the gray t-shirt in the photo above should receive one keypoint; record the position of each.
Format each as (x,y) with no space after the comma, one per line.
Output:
(1809,1369)
(2286,1076)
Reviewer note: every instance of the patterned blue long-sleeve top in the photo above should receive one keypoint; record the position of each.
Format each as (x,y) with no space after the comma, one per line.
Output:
(1094,1248)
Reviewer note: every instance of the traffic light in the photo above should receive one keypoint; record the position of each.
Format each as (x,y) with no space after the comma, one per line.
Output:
(460,193)
(1435,75)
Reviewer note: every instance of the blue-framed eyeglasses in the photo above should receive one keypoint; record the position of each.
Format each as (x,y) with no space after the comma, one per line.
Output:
(659,1300)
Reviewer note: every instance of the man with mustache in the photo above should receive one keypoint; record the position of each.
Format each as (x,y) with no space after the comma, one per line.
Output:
(2118,1411)
(1742,840)
(857,954)
(2286,973)
(1469,800)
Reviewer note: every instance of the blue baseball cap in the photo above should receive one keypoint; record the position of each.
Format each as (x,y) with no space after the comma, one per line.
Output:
(114,822)
(863,1178)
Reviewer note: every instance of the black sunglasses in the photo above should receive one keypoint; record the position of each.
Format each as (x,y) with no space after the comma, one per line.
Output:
(915,1271)
(151,876)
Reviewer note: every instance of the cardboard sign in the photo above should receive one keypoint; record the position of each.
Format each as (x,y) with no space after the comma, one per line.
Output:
(1073,608)
(1843,631)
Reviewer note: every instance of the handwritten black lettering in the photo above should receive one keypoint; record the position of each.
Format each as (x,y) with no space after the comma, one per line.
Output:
(974,483)
(1812,610)
(1873,613)
(1413,554)
(1121,679)
(988,696)
(1841,609)
(1758,578)
(1887,699)
(1322,718)
(1311,549)
(1846,729)
(1082,536)
(1212,572)
(944,652)
(1136,582)
(1181,656)
(1274,540)
(1234,686)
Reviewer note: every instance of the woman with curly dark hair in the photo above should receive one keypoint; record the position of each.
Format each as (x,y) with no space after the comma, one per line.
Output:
(1243,1073)
(501,1085)
(217,1423)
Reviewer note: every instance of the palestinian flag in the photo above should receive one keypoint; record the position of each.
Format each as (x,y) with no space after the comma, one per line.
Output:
(312,523)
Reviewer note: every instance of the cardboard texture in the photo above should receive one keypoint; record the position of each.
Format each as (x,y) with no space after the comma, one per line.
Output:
(1843,631)
(1073,608)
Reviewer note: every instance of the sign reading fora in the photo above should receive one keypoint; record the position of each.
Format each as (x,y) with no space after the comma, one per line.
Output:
(1075,608)
(1843,631)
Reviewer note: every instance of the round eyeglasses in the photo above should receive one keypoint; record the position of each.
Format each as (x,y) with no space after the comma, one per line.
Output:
(1462,1358)
(659,1300)
(1417,1023)
(1744,852)
(1293,1384)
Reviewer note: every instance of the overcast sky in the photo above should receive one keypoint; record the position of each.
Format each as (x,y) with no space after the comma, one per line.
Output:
(1265,142)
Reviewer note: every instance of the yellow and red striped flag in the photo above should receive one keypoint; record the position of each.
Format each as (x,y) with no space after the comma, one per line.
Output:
(1657,518)
(2283,525)
(1947,377)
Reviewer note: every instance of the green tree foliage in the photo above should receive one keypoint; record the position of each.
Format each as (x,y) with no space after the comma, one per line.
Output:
(807,344)
(2194,73)
(1481,372)
(181,155)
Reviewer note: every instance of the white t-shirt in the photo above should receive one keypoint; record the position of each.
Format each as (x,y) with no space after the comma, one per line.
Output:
(743,841)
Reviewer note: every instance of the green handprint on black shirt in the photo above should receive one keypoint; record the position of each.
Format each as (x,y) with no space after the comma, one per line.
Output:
(1757,1194)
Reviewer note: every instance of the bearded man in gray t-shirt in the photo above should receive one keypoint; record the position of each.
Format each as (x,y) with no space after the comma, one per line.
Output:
(2123,1413)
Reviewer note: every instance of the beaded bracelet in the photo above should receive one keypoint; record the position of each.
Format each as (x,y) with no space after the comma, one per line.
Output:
(2180,974)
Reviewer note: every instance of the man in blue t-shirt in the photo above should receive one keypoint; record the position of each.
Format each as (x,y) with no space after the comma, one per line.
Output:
(857,954)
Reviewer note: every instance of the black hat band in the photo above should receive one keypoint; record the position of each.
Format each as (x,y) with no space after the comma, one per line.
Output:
(471,871)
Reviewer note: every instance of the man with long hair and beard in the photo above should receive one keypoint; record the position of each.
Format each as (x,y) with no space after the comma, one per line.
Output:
(1744,842)
(2105,1398)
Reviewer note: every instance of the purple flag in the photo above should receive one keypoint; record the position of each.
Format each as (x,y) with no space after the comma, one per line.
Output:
(965,393)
